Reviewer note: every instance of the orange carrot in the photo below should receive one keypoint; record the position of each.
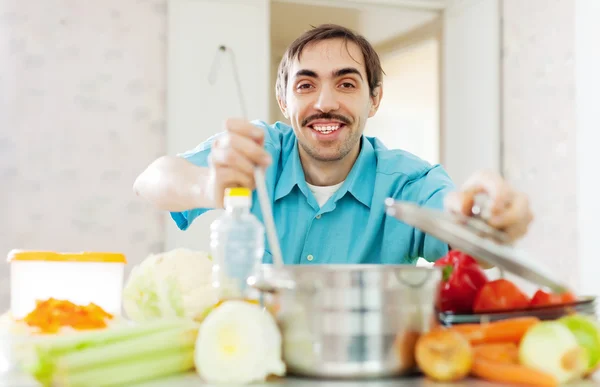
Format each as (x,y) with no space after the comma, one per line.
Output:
(511,373)
(497,352)
(503,331)
(52,314)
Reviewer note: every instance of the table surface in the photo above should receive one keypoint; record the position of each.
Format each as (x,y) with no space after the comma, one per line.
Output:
(190,380)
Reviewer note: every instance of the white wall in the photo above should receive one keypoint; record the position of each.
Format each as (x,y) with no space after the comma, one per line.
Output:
(539,121)
(197,109)
(408,117)
(471,111)
(587,94)
(82,92)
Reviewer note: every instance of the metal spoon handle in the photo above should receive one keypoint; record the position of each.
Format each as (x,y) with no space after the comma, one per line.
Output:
(265,205)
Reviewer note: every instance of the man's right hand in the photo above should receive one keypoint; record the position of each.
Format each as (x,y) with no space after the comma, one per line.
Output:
(233,157)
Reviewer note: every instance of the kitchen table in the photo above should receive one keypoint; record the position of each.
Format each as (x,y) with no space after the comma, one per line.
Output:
(191,380)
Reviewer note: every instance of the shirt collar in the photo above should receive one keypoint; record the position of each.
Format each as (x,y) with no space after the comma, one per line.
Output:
(292,175)
(359,182)
(361,179)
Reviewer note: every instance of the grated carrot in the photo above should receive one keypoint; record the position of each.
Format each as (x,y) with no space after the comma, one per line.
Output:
(51,315)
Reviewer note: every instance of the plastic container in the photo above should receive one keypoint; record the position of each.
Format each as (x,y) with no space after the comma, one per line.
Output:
(77,277)
(237,246)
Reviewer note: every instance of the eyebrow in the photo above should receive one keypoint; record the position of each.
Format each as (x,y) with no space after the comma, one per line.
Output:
(336,73)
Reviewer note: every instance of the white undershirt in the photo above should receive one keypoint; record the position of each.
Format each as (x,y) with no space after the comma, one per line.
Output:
(322,194)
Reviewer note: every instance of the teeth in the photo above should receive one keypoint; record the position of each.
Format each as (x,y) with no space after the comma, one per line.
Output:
(326,129)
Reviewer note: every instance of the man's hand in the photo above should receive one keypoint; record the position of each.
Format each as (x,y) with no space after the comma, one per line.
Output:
(509,209)
(233,157)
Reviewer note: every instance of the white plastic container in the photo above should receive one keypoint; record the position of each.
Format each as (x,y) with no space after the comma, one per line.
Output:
(77,277)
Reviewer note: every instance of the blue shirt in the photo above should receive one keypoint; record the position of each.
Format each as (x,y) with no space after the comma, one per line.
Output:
(352,226)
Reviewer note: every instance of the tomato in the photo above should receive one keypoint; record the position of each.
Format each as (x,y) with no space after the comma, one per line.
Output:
(500,295)
(542,298)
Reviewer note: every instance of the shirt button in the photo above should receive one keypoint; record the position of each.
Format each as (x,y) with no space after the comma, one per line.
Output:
(318,216)
(310,257)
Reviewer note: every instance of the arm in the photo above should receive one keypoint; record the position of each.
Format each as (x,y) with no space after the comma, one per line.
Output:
(190,184)
(175,184)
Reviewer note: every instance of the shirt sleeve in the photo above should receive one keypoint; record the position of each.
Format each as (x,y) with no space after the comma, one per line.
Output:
(430,191)
(199,157)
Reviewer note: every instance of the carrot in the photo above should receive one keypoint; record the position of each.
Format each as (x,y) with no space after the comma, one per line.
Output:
(510,330)
(511,373)
(52,314)
(497,352)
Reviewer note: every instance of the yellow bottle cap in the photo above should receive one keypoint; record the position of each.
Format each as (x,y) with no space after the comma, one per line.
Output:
(238,191)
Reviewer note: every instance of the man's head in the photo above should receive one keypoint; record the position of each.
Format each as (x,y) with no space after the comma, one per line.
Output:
(328,84)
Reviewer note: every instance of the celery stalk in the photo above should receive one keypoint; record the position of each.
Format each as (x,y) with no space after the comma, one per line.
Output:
(173,339)
(154,366)
(77,341)
(46,354)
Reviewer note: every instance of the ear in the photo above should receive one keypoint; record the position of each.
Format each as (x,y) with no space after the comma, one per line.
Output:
(283,107)
(376,101)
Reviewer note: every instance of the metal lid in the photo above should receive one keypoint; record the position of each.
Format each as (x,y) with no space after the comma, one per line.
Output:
(475,237)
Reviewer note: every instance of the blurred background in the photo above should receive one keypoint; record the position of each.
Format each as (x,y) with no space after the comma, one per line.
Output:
(92,92)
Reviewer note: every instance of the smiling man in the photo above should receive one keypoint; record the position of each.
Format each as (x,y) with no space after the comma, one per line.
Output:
(328,182)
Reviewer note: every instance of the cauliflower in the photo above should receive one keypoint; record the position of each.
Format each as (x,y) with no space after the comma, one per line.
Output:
(175,283)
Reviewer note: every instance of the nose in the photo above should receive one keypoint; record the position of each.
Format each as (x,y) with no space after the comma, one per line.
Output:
(326,100)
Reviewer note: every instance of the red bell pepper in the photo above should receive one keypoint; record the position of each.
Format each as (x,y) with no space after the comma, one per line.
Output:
(462,277)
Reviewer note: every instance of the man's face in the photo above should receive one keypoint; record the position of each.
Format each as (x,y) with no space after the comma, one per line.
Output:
(328,99)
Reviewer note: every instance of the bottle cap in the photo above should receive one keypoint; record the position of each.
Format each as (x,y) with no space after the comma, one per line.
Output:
(237,191)
(237,197)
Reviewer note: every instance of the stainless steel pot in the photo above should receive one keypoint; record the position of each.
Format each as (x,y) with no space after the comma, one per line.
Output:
(349,321)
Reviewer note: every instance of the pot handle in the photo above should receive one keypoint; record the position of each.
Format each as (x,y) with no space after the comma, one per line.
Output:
(414,284)
(270,285)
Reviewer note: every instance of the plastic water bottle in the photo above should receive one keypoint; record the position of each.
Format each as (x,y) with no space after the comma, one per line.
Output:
(237,245)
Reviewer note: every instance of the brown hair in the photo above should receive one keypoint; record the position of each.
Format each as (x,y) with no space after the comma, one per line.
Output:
(326,32)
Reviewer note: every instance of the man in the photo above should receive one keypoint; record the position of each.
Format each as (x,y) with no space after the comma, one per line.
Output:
(327,181)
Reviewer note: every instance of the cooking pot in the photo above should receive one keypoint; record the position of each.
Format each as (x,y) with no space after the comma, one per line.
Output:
(350,321)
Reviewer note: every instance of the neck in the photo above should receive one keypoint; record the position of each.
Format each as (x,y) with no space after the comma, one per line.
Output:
(326,173)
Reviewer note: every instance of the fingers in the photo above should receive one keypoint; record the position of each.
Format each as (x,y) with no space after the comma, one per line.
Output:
(459,202)
(516,217)
(492,184)
(230,177)
(234,156)
(509,210)
(245,129)
(231,150)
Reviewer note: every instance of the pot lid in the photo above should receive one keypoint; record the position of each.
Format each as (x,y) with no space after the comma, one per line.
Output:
(475,237)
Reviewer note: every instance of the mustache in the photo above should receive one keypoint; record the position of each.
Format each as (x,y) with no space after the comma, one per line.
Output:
(327,116)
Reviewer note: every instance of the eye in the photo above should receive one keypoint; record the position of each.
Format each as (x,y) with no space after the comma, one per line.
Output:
(304,86)
(347,85)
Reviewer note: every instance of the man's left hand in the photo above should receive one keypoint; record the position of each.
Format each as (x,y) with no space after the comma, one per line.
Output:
(509,209)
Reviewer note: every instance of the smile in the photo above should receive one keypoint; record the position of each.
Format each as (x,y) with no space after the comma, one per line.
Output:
(326,129)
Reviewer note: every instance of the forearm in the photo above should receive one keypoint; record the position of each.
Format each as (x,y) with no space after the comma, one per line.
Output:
(174,184)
